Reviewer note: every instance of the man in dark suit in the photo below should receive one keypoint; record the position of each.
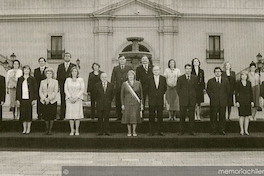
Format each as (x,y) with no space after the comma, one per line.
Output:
(2,96)
(119,75)
(218,90)
(39,74)
(63,72)
(105,93)
(142,73)
(186,89)
(156,90)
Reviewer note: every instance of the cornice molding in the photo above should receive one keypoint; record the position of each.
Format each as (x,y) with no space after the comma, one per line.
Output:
(196,16)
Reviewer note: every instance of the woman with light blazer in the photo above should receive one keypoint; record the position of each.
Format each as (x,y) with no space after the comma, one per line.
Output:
(48,97)
(74,89)
(26,95)
(11,83)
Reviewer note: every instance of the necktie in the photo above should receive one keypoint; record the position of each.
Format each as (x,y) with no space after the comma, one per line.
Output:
(146,68)
(104,87)
(66,67)
(157,81)
(122,67)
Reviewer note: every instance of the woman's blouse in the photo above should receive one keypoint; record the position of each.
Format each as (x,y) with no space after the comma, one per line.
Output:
(12,77)
(171,76)
(25,92)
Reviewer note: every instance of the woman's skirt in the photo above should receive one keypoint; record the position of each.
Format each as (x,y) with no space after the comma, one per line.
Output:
(172,99)
(256,94)
(74,111)
(244,111)
(12,94)
(49,111)
(131,114)
(25,111)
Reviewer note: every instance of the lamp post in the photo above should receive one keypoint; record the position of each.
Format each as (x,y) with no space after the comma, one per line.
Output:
(13,57)
(260,67)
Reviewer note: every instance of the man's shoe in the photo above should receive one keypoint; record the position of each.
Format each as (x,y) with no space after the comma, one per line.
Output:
(161,134)
(151,134)
(213,133)
(100,134)
(181,133)
(222,133)
(107,134)
(192,133)
(118,119)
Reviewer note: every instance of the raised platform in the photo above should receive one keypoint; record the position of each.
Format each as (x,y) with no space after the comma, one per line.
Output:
(92,142)
(11,137)
(91,126)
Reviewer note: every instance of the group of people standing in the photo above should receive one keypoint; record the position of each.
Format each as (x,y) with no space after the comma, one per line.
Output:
(184,93)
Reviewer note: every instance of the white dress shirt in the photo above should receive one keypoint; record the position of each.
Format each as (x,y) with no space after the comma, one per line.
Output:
(156,79)
(25,93)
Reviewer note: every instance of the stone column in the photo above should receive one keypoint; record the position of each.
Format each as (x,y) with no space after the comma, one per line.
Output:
(167,31)
(103,38)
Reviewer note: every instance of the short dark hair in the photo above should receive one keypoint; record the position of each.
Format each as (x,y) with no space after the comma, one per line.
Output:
(95,64)
(173,61)
(252,64)
(217,68)
(42,58)
(16,61)
(187,65)
(67,53)
(121,56)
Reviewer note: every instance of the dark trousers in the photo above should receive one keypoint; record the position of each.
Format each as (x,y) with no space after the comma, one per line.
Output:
(145,94)
(118,104)
(183,114)
(103,119)
(39,108)
(1,114)
(153,110)
(63,104)
(92,105)
(215,110)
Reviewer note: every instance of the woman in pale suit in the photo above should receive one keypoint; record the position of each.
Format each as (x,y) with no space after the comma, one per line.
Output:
(11,83)
(172,98)
(48,97)
(131,104)
(74,89)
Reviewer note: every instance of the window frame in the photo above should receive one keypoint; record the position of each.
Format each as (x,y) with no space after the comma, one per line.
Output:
(49,59)
(221,56)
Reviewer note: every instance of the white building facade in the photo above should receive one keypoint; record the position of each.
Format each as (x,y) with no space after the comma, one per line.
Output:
(214,31)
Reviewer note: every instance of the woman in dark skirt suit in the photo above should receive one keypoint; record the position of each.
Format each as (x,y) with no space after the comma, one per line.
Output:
(94,77)
(231,77)
(244,99)
(131,105)
(48,97)
(197,71)
(26,97)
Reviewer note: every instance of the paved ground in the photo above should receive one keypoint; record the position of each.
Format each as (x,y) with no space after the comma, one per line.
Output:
(50,163)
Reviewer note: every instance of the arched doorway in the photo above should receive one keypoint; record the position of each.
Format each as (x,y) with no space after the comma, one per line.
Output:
(134,52)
